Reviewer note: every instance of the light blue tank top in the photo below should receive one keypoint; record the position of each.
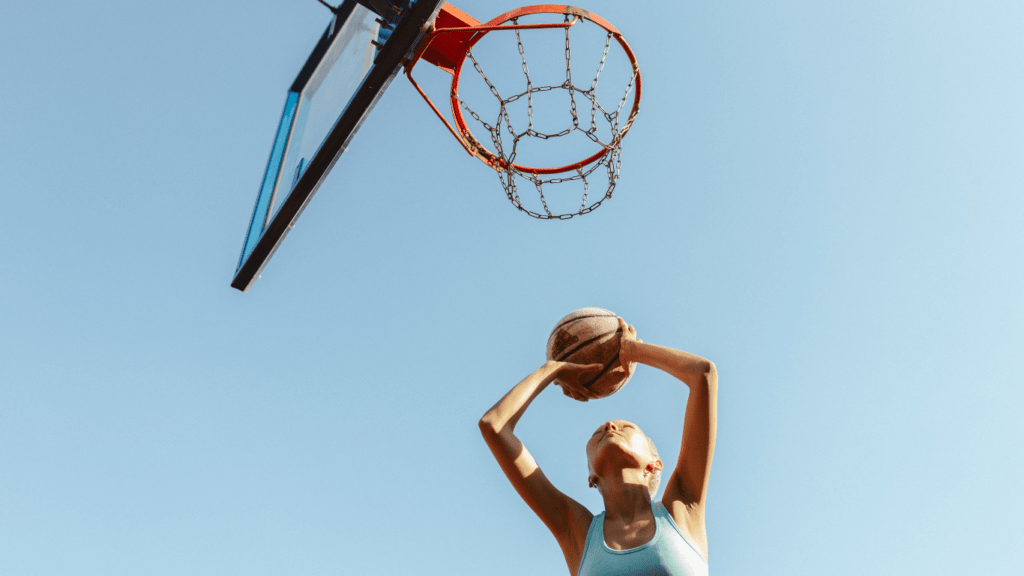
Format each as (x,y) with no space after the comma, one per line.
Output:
(668,553)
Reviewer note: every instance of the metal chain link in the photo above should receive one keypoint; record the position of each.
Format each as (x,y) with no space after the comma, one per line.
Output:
(526,72)
(568,79)
(593,85)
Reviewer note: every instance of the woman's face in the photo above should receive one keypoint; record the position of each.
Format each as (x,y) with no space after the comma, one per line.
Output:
(619,440)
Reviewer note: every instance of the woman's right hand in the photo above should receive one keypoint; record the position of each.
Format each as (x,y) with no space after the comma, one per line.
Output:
(571,377)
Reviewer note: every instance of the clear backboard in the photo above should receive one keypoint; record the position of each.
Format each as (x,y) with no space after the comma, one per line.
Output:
(363,48)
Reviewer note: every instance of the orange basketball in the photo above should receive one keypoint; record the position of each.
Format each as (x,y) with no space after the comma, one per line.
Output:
(590,336)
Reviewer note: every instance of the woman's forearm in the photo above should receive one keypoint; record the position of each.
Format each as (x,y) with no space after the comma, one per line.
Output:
(507,412)
(689,368)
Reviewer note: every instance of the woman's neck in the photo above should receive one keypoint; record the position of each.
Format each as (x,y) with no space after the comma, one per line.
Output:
(625,496)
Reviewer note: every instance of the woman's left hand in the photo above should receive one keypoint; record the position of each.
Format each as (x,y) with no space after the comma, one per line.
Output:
(627,346)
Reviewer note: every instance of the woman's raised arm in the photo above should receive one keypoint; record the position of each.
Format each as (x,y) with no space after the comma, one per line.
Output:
(686,491)
(567,519)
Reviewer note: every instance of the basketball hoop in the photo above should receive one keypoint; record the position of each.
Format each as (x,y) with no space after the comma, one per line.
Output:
(449,44)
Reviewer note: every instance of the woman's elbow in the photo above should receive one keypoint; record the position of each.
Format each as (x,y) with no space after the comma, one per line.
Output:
(711,375)
(487,425)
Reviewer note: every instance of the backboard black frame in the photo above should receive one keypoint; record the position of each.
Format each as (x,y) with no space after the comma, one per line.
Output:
(386,65)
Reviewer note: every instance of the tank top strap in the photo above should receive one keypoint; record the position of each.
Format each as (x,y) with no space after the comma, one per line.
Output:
(662,513)
(595,536)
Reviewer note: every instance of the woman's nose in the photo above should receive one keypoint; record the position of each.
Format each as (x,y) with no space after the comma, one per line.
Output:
(610,426)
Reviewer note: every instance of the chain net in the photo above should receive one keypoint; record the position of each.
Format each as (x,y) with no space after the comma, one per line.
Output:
(506,140)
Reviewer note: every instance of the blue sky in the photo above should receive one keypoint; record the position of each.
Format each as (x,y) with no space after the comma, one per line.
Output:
(823,198)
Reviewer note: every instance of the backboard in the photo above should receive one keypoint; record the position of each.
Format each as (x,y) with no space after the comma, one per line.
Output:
(362,50)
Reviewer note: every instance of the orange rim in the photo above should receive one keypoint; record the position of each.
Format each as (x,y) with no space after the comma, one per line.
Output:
(466,137)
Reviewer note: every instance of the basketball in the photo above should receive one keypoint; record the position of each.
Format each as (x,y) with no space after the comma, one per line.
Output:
(590,336)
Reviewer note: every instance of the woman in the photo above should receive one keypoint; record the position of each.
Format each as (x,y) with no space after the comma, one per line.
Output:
(633,535)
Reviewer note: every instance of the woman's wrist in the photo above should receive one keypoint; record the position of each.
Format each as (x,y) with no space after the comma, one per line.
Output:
(549,371)
(630,351)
